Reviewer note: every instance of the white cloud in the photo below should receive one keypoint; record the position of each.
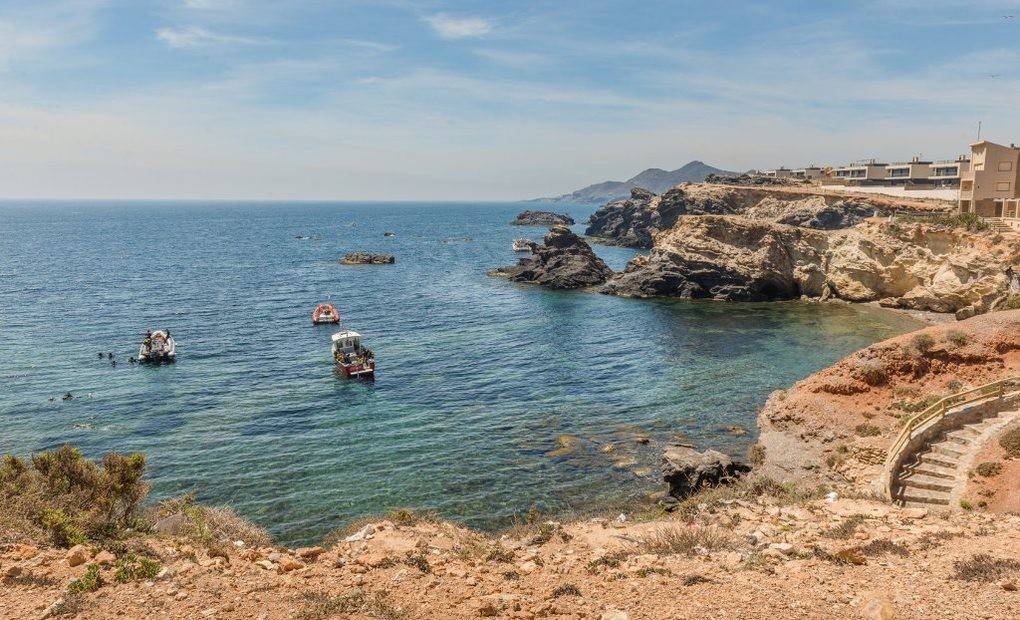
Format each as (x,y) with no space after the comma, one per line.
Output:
(196,36)
(459,27)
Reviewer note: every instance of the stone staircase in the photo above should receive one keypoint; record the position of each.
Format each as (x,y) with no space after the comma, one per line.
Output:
(998,224)
(938,472)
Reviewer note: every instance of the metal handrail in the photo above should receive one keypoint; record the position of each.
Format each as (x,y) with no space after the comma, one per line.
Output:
(939,409)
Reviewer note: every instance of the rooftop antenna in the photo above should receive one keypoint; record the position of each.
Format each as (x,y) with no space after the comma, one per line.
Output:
(979,132)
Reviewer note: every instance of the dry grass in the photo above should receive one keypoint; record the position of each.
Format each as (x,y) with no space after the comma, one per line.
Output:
(749,488)
(846,529)
(566,589)
(984,568)
(1010,442)
(213,527)
(321,606)
(988,469)
(673,540)
(884,547)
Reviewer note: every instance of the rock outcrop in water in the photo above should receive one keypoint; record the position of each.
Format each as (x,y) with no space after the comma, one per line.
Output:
(920,267)
(687,471)
(367,258)
(564,261)
(541,218)
(634,222)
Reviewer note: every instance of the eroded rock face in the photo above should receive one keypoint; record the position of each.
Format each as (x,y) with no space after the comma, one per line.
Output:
(634,222)
(564,260)
(686,470)
(542,218)
(727,258)
(736,259)
(367,258)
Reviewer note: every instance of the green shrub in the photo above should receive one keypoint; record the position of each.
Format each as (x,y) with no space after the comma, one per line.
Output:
(91,581)
(67,498)
(966,505)
(1013,303)
(988,469)
(132,567)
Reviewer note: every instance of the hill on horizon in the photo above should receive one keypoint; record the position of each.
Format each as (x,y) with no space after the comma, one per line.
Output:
(653,179)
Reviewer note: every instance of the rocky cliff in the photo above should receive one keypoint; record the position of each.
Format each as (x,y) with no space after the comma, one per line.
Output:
(634,222)
(564,260)
(916,266)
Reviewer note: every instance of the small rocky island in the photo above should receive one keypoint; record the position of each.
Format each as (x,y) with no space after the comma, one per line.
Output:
(542,218)
(367,258)
(564,261)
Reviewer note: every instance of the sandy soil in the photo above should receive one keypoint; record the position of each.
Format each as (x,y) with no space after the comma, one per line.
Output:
(999,493)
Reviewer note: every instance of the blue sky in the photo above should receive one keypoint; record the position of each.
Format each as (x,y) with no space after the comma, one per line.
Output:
(394,99)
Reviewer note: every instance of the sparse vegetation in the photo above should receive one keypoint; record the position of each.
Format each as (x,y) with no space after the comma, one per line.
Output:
(1010,442)
(918,405)
(321,606)
(983,567)
(957,338)
(210,526)
(922,343)
(966,505)
(566,589)
(673,540)
(748,488)
(91,581)
(611,560)
(419,561)
(867,430)
(756,454)
(132,567)
(884,547)
(62,496)
(846,529)
(695,579)
(407,517)
(652,570)
(968,221)
(851,556)
(988,469)
(872,372)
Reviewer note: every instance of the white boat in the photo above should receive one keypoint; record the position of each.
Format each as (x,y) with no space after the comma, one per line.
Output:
(353,359)
(522,245)
(158,347)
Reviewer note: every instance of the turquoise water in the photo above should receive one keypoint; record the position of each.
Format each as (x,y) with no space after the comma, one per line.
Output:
(477,377)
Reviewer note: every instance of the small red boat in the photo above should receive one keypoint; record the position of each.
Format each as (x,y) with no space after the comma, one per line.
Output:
(353,359)
(325,314)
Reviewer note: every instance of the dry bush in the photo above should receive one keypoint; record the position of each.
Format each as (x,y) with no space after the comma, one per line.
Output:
(872,372)
(756,454)
(846,529)
(1010,442)
(867,430)
(922,343)
(210,526)
(695,579)
(672,540)
(983,567)
(884,547)
(956,337)
(62,496)
(321,606)
(747,488)
(567,589)
(988,469)
(408,517)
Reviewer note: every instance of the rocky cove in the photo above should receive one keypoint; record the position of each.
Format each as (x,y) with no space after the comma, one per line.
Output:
(763,244)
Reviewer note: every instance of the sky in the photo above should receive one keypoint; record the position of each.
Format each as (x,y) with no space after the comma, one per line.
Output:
(481,100)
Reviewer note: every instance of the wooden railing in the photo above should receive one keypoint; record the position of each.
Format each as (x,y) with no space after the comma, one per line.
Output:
(937,410)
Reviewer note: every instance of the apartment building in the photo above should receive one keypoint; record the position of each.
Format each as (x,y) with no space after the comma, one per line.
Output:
(913,172)
(862,173)
(990,187)
(810,173)
(946,172)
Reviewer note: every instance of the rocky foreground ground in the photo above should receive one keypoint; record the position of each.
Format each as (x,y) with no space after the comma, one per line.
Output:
(741,553)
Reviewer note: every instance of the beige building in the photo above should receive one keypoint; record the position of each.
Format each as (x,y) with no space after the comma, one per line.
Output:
(946,172)
(864,173)
(989,187)
(810,173)
(913,172)
(779,173)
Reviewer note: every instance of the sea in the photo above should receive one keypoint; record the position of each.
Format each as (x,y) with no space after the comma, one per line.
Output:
(491,398)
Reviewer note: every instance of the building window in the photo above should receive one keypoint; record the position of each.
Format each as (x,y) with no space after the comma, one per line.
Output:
(1002,186)
(1005,166)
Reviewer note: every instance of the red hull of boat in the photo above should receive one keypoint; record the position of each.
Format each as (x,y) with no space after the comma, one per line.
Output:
(364,371)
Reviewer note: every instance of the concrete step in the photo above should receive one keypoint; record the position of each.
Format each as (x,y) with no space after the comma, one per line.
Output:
(935,471)
(942,460)
(923,496)
(961,437)
(916,480)
(947,448)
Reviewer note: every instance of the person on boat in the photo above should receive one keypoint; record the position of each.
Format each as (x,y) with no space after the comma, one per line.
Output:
(147,343)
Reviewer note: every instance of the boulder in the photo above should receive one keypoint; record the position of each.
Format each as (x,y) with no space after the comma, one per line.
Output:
(77,555)
(542,218)
(367,258)
(563,261)
(686,470)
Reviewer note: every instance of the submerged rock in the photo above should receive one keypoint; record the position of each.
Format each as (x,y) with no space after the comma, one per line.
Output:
(367,258)
(686,470)
(563,261)
(541,218)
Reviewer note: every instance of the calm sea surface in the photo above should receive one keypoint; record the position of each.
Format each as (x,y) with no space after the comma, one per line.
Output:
(477,377)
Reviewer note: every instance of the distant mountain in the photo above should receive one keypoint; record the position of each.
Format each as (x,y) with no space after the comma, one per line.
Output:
(653,179)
